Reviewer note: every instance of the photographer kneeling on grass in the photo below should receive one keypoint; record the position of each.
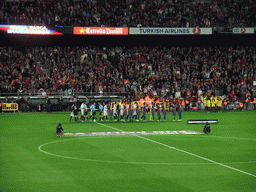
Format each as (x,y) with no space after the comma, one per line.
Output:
(207,128)
(59,130)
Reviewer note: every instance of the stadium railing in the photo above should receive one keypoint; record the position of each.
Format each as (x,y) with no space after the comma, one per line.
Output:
(60,102)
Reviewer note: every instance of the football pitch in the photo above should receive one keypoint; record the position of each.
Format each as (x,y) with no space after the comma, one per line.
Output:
(33,158)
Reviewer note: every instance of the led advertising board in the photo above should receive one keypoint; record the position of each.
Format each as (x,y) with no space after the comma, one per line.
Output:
(28,30)
(100,31)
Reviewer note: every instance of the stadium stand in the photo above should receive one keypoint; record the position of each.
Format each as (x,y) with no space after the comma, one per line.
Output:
(130,13)
(156,71)
(160,72)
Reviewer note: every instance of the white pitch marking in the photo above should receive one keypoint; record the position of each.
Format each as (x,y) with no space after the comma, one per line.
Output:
(215,162)
(123,162)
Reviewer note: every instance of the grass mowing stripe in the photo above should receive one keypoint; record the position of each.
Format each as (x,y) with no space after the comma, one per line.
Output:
(192,154)
(230,137)
(120,162)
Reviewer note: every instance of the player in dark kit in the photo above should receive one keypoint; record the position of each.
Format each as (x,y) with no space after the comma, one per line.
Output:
(117,111)
(130,111)
(207,128)
(110,111)
(59,130)
(143,112)
(76,113)
(152,108)
(159,112)
(179,111)
(174,112)
(164,112)
(138,111)
(125,112)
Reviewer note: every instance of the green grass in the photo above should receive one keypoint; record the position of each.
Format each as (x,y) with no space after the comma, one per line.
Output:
(127,163)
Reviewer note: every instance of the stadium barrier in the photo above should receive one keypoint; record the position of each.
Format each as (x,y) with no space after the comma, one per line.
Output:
(38,103)
(10,107)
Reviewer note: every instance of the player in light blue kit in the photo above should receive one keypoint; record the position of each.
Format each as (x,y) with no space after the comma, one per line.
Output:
(93,112)
(101,110)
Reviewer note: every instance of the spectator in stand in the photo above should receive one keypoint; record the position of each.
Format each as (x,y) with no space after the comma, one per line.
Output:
(177,94)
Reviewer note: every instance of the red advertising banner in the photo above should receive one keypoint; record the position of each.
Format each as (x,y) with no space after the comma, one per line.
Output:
(100,30)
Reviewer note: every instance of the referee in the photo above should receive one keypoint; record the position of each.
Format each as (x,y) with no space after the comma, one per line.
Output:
(101,110)
(59,130)
(93,112)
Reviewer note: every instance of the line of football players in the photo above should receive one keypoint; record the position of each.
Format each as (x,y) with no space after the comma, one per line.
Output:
(122,112)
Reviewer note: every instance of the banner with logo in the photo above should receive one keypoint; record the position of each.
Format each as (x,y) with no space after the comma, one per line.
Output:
(28,30)
(100,30)
(170,31)
(243,30)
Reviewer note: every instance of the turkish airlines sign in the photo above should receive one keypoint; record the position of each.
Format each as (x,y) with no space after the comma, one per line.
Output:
(170,31)
(100,31)
(243,30)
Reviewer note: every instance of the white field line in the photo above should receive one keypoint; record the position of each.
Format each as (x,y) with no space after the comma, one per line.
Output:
(192,154)
(121,162)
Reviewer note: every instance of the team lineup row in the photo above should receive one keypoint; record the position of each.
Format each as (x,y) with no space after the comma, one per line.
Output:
(122,112)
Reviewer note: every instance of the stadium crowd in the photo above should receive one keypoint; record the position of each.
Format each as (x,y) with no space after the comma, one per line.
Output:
(130,13)
(160,72)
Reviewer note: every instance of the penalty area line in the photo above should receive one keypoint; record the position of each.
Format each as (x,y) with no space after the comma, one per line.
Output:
(192,154)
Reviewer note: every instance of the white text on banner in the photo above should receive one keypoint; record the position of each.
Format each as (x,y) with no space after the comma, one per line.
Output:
(169,31)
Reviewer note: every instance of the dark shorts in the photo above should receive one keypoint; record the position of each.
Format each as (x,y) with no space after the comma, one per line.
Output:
(93,113)
(101,112)
(85,113)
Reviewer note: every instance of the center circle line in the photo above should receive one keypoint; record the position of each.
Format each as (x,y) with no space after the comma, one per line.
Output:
(123,162)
